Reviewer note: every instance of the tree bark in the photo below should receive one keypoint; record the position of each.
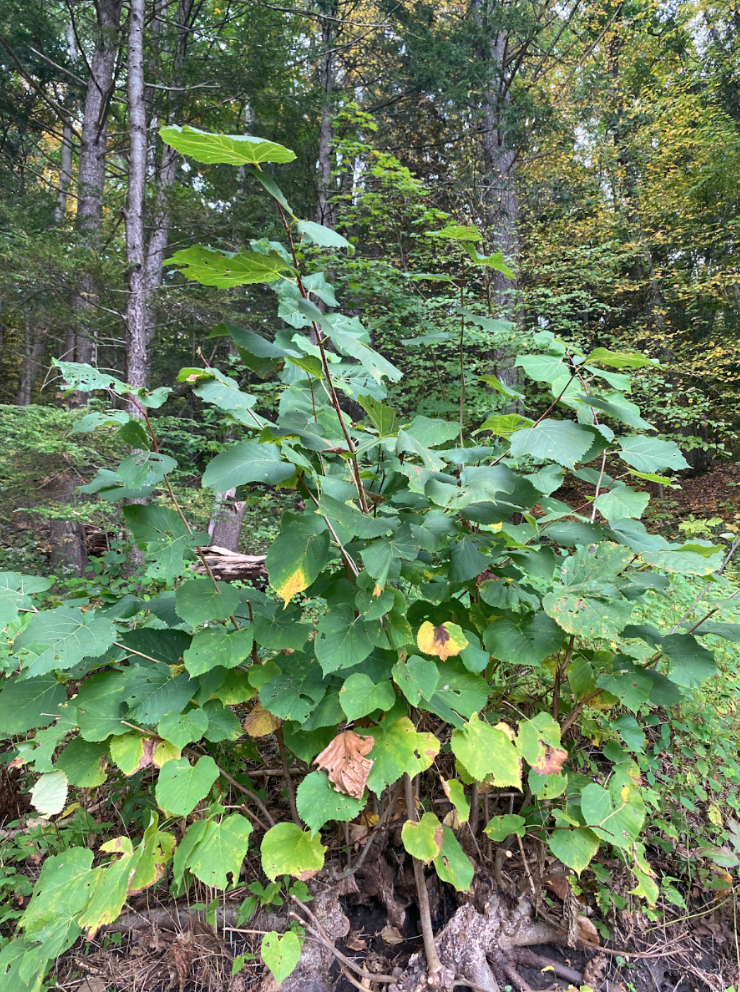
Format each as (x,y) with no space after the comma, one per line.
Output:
(91,172)
(225,525)
(33,347)
(67,537)
(65,174)
(136,308)
(326,210)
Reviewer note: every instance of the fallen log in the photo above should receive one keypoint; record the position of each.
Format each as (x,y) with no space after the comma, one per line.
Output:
(230,565)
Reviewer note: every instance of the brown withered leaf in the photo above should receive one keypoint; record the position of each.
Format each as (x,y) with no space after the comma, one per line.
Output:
(392,935)
(260,722)
(550,761)
(587,932)
(355,942)
(345,763)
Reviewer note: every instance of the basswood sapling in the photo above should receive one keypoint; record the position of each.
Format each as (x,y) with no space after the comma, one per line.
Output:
(431,599)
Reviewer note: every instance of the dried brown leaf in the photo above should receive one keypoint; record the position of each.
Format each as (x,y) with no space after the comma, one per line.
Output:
(345,763)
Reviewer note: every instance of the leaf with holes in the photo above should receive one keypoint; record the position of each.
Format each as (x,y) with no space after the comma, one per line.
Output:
(281,954)
(423,840)
(288,850)
(444,640)
(486,750)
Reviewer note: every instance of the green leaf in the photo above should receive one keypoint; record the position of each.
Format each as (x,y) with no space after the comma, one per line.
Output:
(522,639)
(360,695)
(341,640)
(353,521)
(23,703)
(616,814)
(423,840)
(161,645)
(456,794)
(163,536)
(378,556)
(226,269)
(197,601)
(466,561)
(65,636)
(430,432)
(560,441)
(306,744)
(280,630)
(456,232)
(61,893)
(49,794)
(181,786)
(500,387)
(298,554)
(218,647)
(381,416)
(281,954)
(230,149)
(543,368)
(501,827)
(152,692)
(318,803)
(399,748)
(15,593)
(111,885)
(183,728)
(128,753)
(459,691)
(486,750)
(650,454)
(588,617)
(575,848)
(100,706)
(632,689)
(325,237)
(417,678)
(294,694)
(84,763)
(222,723)
(288,850)
(224,393)
(682,562)
(617,360)
(247,461)
(504,424)
(495,261)
(452,864)
(621,501)
(221,850)
(689,663)
(538,741)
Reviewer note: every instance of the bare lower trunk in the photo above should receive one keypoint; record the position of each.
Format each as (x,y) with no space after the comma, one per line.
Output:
(33,348)
(225,526)
(67,537)
(65,174)
(136,305)
(91,173)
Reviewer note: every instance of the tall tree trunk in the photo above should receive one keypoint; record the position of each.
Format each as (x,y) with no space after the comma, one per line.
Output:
(65,174)
(67,537)
(326,209)
(161,219)
(91,171)
(33,348)
(136,308)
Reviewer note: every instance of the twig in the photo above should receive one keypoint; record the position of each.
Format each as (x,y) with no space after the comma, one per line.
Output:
(425,917)
(286,775)
(320,934)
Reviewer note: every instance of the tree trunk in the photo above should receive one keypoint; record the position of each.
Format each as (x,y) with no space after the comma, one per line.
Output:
(326,209)
(136,308)
(91,172)
(225,525)
(67,537)
(65,174)
(161,220)
(33,348)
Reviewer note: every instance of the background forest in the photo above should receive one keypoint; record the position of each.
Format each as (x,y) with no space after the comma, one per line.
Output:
(528,214)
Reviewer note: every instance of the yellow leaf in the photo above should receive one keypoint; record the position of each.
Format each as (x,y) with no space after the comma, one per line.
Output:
(163,752)
(294,584)
(443,641)
(260,722)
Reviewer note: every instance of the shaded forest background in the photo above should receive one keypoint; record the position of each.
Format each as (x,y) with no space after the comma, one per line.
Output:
(595,144)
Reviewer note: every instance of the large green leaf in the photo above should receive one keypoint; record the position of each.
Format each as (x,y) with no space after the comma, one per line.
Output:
(486,750)
(27,704)
(423,839)
(452,863)
(360,695)
(431,432)
(198,601)
(616,814)
(221,850)
(183,728)
(620,502)
(62,637)
(163,536)
(295,693)
(15,593)
(224,393)
(353,521)
(617,360)
(325,237)
(280,629)
(575,848)
(231,149)
(298,554)
(341,640)
(587,617)
(288,850)
(281,953)
(62,891)
(543,368)
(248,461)
(682,562)
(168,646)
(399,748)
(210,267)
(318,803)
(84,763)
(689,663)
(560,441)
(217,647)
(466,561)
(650,454)
(100,706)
(417,678)
(181,786)
(522,639)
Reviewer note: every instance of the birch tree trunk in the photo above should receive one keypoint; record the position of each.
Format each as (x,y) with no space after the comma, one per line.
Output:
(91,171)
(225,525)
(33,348)
(326,210)
(136,308)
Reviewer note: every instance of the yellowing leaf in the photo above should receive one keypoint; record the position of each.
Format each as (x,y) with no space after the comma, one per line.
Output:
(260,722)
(443,641)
